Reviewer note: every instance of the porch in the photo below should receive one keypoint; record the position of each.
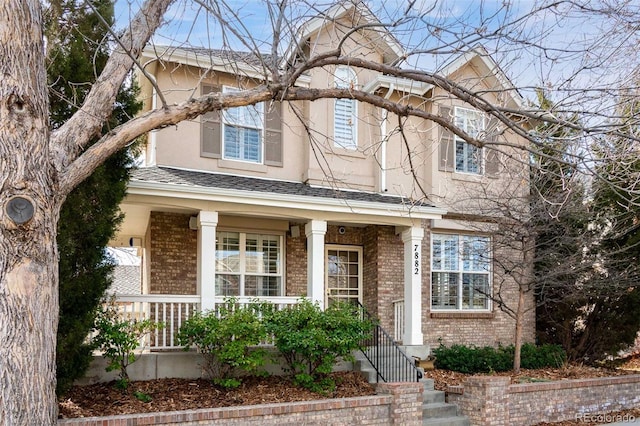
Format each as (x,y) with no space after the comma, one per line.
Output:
(173,310)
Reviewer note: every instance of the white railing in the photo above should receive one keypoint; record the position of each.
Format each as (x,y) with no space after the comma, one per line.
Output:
(170,310)
(173,310)
(398,319)
(280,302)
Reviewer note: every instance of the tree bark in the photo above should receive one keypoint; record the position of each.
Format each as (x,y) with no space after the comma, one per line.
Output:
(517,354)
(28,255)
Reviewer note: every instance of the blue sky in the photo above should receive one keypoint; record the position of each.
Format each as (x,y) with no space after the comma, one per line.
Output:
(573,39)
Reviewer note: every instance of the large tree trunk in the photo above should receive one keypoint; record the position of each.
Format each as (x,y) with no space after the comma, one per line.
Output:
(28,219)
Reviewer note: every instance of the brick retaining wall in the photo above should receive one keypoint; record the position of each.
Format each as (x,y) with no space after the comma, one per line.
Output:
(492,400)
(395,404)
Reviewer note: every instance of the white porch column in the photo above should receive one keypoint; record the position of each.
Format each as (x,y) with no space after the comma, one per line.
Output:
(412,239)
(315,231)
(207,223)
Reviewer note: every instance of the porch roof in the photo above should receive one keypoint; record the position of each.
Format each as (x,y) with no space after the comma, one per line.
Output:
(208,180)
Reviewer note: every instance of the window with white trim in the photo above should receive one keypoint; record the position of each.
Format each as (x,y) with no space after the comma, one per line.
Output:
(243,130)
(468,158)
(248,264)
(345,122)
(460,272)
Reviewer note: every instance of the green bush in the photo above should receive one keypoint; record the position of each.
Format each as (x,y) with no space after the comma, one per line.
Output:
(311,340)
(118,338)
(225,338)
(542,356)
(486,359)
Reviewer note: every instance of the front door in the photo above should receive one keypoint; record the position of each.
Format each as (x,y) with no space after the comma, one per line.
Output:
(343,275)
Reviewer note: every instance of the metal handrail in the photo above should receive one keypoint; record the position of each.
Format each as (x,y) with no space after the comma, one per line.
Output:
(388,360)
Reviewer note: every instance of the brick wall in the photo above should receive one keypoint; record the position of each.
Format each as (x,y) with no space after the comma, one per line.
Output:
(492,401)
(389,262)
(370,269)
(396,404)
(173,254)
(480,328)
(296,263)
(173,262)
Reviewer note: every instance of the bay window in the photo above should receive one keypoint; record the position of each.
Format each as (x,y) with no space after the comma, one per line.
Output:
(460,272)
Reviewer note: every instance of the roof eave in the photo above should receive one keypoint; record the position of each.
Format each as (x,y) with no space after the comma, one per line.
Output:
(295,202)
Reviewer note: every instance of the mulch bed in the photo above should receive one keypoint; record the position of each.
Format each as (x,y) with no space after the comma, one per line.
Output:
(104,399)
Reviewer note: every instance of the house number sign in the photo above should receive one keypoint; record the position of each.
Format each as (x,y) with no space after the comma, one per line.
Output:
(416,259)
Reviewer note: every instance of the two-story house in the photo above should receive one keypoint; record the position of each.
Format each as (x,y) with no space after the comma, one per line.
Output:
(329,199)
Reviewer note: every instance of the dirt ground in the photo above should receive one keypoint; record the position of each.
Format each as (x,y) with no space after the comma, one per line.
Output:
(178,394)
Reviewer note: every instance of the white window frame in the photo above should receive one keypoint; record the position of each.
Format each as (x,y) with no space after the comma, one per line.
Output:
(242,272)
(345,77)
(459,270)
(463,120)
(250,117)
(347,248)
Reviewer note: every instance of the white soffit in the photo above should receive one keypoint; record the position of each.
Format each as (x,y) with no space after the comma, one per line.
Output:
(288,201)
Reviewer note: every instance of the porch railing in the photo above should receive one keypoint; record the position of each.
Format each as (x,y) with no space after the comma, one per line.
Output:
(385,356)
(173,310)
(398,319)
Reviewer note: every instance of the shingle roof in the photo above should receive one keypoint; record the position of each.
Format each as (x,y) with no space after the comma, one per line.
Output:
(126,280)
(242,183)
(229,55)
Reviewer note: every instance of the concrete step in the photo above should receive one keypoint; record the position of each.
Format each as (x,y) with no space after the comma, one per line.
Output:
(429,384)
(447,421)
(432,396)
(438,409)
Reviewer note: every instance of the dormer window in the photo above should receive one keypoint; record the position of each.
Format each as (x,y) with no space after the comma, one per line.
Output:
(243,129)
(345,121)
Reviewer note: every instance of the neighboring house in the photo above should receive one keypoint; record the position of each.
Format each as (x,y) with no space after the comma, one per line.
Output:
(248,203)
(126,280)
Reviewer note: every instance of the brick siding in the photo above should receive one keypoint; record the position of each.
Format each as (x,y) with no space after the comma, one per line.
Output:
(296,263)
(173,271)
(173,254)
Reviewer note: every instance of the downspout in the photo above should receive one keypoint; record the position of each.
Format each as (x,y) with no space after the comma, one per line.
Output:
(151,161)
(383,148)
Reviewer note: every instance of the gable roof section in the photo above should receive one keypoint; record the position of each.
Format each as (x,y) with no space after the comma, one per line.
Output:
(478,56)
(273,192)
(384,40)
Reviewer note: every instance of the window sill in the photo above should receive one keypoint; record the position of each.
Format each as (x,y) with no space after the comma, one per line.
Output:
(467,177)
(462,315)
(242,165)
(343,152)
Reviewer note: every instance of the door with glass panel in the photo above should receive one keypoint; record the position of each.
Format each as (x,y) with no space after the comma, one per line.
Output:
(343,277)
(248,264)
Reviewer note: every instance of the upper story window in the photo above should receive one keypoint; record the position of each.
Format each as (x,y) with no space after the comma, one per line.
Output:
(242,130)
(468,158)
(248,264)
(250,133)
(460,272)
(345,121)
